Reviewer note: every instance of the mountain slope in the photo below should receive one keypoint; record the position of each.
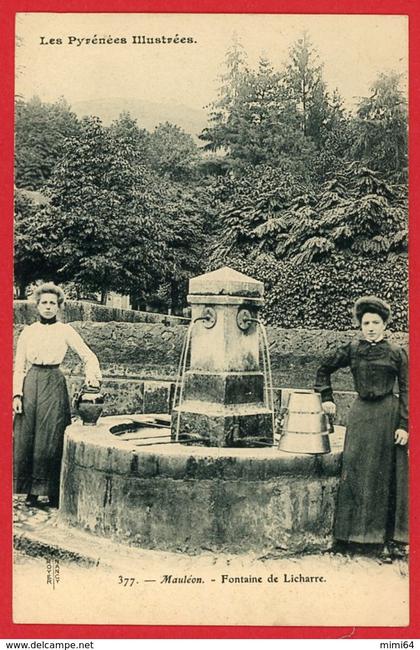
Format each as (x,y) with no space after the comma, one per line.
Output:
(148,114)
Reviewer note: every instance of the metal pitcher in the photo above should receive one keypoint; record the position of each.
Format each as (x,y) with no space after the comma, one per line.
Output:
(305,427)
(89,403)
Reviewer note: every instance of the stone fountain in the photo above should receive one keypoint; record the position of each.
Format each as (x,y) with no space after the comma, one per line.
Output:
(209,477)
(222,398)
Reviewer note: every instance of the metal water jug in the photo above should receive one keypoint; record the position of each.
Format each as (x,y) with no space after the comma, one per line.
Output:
(89,403)
(305,427)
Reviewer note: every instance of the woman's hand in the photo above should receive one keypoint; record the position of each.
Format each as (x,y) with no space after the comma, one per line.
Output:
(401,437)
(17,405)
(329,408)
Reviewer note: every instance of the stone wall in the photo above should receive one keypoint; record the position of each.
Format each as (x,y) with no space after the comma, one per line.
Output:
(80,310)
(139,359)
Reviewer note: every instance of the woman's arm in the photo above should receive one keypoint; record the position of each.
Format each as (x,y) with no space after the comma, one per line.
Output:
(92,370)
(339,358)
(403,390)
(20,365)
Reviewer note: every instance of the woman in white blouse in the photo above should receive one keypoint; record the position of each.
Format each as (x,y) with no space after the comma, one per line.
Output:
(40,398)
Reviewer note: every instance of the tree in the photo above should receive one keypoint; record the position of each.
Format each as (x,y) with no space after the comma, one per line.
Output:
(357,213)
(256,120)
(263,124)
(336,139)
(246,204)
(185,217)
(111,223)
(126,133)
(105,211)
(172,152)
(303,78)
(231,82)
(381,127)
(32,239)
(40,131)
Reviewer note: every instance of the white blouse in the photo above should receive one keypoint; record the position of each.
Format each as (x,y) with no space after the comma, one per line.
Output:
(47,345)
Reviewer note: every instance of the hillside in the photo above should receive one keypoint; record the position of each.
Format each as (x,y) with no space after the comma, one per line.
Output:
(148,114)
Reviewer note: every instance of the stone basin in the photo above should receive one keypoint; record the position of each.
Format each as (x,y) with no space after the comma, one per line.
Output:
(124,480)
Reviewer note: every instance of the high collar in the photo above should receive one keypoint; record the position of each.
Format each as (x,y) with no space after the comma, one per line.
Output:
(47,321)
(373,343)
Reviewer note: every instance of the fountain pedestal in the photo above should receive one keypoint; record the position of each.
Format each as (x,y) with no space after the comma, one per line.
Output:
(174,497)
(222,401)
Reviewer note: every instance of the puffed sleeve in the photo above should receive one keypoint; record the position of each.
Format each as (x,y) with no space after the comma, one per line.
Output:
(339,358)
(403,389)
(76,343)
(20,364)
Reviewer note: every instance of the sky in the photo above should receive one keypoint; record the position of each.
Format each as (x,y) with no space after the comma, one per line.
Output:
(354,49)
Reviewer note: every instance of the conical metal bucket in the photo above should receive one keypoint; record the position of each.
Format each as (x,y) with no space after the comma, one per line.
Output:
(305,426)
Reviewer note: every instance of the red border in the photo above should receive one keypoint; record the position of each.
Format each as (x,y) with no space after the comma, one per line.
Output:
(7,14)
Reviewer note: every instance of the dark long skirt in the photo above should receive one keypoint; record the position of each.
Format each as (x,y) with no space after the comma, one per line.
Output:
(39,432)
(372,502)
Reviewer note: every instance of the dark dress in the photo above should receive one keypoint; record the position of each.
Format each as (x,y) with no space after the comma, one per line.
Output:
(372,505)
(39,432)
(39,429)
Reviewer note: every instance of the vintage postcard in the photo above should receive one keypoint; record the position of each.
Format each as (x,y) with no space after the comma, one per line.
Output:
(210,385)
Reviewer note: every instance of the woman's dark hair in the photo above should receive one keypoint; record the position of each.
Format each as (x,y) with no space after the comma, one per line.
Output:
(371,305)
(49,287)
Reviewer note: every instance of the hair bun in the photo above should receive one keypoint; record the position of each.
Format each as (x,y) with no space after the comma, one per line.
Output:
(372,305)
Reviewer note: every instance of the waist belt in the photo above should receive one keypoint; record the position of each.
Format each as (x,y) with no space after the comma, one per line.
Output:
(373,398)
(45,365)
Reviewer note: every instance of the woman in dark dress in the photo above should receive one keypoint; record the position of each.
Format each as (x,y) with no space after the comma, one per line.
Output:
(372,506)
(40,398)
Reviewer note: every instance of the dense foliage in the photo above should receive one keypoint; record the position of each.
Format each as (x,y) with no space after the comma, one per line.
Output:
(381,127)
(32,240)
(288,186)
(321,296)
(40,130)
(111,223)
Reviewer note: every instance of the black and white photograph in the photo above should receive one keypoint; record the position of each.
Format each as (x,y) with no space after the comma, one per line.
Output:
(210,386)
